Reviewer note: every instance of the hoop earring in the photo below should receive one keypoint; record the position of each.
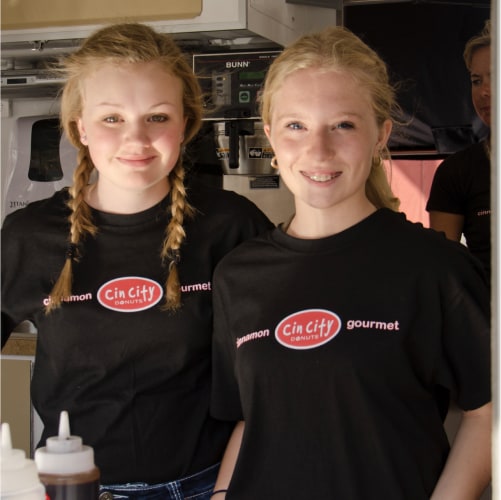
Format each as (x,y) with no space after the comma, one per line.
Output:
(377,161)
(274,162)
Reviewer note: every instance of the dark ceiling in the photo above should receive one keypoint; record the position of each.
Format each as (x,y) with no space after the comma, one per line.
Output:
(422,42)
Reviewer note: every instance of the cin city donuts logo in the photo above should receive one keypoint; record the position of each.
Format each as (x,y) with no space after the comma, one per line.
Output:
(308,329)
(129,294)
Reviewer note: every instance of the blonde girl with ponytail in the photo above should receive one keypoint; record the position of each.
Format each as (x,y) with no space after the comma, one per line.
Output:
(339,369)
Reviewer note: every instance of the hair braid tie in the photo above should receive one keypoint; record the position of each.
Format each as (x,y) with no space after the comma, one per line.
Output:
(71,251)
(174,258)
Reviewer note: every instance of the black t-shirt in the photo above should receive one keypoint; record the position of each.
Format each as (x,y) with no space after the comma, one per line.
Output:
(461,185)
(134,378)
(332,350)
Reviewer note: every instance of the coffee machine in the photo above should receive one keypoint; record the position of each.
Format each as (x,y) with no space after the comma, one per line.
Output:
(232,149)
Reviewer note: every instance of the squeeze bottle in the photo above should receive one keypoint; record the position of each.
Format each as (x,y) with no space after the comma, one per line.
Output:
(66,466)
(19,474)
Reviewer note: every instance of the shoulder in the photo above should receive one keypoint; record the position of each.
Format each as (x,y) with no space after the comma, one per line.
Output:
(413,236)
(248,256)
(468,157)
(39,214)
(425,247)
(398,227)
(217,202)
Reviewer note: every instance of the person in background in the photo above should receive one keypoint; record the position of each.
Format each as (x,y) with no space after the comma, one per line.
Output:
(116,271)
(335,332)
(459,200)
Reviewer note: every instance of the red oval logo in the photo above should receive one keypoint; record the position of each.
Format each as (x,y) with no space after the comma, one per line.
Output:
(130,294)
(308,329)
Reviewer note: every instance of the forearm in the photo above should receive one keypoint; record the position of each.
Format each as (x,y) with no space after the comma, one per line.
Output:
(467,471)
(450,224)
(229,461)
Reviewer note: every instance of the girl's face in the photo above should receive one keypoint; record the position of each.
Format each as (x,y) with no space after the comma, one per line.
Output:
(133,124)
(324,134)
(480,74)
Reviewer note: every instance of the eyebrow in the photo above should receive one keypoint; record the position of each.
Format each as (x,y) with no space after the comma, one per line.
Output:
(478,75)
(344,115)
(119,105)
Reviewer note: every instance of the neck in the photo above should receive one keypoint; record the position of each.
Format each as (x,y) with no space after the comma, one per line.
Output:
(487,147)
(119,201)
(321,223)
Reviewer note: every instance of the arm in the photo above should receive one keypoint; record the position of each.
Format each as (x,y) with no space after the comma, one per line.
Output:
(6,329)
(467,471)
(450,224)
(229,461)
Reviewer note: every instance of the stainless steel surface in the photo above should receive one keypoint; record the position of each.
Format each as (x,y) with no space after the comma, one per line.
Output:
(243,148)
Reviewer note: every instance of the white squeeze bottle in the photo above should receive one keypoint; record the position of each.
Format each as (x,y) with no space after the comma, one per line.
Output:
(19,474)
(66,466)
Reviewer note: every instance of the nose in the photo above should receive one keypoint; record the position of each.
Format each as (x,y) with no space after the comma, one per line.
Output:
(486,89)
(320,144)
(137,133)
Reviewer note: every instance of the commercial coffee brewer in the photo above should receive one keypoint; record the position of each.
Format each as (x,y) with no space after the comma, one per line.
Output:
(232,148)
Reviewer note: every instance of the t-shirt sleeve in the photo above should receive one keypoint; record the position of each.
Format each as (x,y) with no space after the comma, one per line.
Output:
(466,367)
(12,296)
(446,188)
(225,401)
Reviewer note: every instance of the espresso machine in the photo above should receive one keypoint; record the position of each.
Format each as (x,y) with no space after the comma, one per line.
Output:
(232,150)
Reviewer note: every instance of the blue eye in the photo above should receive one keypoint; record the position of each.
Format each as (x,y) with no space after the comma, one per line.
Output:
(295,126)
(158,118)
(345,125)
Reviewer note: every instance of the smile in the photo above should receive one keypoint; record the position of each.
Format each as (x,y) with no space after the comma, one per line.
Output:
(321,177)
(136,161)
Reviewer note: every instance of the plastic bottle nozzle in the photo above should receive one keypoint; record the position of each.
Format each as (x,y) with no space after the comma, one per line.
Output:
(19,475)
(64,425)
(64,453)
(64,442)
(6,439)
(10,457)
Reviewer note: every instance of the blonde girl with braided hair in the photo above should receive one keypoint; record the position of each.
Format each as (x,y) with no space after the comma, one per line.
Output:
(109,47)
(115,272)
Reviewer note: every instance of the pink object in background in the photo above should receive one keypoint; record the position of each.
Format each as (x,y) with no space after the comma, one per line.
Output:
(411,182)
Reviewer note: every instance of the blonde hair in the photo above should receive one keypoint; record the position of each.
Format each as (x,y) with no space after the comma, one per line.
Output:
(483,39)
(338,49)
(125,43)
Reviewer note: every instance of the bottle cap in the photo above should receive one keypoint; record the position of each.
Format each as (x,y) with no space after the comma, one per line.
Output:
(64,454)
(19,475)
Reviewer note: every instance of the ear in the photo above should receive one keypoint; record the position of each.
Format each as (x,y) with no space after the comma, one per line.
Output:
(384,134)
(184,129)
(81,131)
(267,130)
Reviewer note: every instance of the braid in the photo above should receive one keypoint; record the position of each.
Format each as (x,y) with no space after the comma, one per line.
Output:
(80,218)
(80,224)
(175,234)
(124,43)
